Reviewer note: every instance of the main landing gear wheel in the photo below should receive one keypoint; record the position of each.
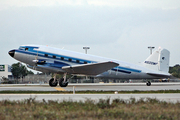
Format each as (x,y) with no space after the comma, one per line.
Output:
(53,83)
(63,83)
(148,83)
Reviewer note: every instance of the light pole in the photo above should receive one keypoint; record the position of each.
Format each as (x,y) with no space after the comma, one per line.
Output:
(150,47)
(86,48)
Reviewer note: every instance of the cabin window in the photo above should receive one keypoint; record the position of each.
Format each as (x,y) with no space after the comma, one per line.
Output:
(46,55)
(77,61)
(26,49)
(85,62)
(62,58)
(70,59)
(54,56)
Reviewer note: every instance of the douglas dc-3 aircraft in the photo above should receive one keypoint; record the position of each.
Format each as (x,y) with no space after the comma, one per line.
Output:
(59,61)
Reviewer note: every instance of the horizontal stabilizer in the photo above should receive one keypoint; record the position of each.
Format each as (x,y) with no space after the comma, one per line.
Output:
(160,74)
(90,69)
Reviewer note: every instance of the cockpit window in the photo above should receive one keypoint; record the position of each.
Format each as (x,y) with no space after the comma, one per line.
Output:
(21,48)
(28,48)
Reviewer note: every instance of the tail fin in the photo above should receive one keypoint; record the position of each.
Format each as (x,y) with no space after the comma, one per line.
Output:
(158,61)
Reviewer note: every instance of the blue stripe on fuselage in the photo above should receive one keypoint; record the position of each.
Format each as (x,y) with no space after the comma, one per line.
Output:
(125,70)
(31,51)
(118,70)
(129,69)
(58,57)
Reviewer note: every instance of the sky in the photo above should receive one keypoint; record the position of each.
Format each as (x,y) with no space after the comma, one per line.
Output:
(117,29)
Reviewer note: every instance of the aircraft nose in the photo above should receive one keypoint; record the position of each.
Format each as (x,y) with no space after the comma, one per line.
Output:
(11,53)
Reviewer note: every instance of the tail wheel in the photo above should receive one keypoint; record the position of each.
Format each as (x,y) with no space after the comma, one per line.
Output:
(148,83)
(63,83)
(53,83)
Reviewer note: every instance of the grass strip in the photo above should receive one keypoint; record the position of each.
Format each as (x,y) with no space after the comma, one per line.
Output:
(131,109)
(89,92)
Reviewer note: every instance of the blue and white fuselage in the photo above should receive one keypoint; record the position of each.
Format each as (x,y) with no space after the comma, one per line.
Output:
(54,60)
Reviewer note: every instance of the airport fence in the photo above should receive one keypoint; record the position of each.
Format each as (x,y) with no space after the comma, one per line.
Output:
(44,79)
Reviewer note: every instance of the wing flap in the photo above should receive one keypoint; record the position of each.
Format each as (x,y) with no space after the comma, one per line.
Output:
(90,69)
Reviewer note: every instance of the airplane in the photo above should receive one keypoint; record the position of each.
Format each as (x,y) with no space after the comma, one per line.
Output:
(60,61)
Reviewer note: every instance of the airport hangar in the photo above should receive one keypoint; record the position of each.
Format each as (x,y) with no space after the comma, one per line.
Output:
(5,71)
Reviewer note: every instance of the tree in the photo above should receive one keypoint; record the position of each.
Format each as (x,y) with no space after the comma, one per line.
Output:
(19,70)
(175,70)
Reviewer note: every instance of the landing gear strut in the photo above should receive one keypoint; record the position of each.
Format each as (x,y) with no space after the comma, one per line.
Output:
(52,82)
(148,83)
(63,81)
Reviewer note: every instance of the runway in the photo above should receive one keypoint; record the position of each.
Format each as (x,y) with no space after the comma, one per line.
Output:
(94,87)
(95,97)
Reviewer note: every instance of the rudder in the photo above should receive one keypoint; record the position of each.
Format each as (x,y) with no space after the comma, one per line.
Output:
(158,61)
(163,61)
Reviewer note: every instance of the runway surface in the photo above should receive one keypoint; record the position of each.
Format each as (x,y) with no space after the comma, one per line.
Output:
(95,97)
(95,87)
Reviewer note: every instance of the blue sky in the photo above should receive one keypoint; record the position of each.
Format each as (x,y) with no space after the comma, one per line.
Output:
(118,29)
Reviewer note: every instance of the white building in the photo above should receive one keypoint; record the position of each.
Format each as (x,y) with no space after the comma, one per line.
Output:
(5,71)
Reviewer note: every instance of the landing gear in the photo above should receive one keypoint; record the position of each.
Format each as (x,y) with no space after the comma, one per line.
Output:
(63,83)
(52,82)
(148,83)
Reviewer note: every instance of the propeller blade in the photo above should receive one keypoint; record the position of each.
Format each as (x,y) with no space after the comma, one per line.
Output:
(35,61)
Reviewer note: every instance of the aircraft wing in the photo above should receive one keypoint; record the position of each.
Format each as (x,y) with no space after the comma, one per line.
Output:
(90,69)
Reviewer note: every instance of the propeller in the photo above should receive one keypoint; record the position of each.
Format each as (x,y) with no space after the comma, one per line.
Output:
(35,61)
